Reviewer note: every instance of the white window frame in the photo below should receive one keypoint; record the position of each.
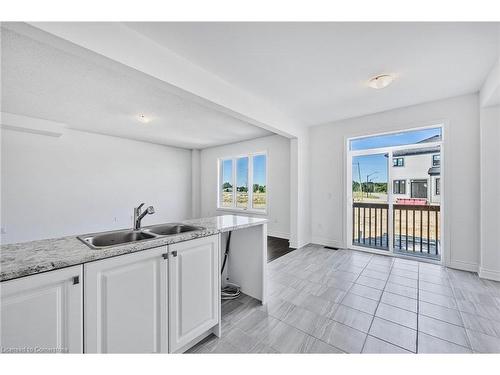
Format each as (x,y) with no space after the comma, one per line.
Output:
(348,153)
(234,159)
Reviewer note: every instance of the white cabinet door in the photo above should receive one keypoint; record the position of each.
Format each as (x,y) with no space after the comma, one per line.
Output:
(194,289)
(43,313)
(126,303)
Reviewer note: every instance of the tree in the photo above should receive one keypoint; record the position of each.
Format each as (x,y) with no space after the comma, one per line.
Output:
(227,187)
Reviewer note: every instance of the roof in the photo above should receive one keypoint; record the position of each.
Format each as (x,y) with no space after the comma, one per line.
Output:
(434,138)
(417,151)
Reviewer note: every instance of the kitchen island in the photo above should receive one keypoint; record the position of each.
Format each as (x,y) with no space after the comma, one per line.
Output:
(41,286)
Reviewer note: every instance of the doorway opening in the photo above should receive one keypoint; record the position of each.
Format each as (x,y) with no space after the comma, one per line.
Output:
(394,194)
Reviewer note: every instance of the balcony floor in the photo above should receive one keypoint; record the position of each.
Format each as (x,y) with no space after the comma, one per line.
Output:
(327,301)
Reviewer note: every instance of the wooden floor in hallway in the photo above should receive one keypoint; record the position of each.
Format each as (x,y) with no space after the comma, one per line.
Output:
(343,301)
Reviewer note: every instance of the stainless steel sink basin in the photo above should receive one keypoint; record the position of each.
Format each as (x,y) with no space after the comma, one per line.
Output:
(109,239)
(170,229)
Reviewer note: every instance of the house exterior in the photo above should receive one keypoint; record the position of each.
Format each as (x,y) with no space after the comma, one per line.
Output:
(416,174)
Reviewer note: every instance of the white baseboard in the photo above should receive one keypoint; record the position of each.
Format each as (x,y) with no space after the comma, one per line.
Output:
(274,233)
(485,273)
(464,266)
(327,242)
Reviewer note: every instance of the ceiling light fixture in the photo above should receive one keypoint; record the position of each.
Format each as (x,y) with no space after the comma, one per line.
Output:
(142,118)
(380,81)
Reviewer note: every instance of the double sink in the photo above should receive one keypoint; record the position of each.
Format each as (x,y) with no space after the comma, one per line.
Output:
(121,237)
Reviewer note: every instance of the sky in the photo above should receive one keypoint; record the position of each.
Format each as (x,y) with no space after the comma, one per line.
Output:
(377,163)
(395,139)
(259,169)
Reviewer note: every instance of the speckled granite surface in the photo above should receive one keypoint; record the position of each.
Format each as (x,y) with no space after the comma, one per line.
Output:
(29,258)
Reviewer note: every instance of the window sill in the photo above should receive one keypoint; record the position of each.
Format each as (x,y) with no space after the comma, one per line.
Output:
(243,211)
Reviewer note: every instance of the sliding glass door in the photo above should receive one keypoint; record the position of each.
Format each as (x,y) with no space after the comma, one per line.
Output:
(394,193)
(370,208)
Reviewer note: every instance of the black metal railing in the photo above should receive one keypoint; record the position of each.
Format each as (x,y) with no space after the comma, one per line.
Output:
(415,227)
(370,225)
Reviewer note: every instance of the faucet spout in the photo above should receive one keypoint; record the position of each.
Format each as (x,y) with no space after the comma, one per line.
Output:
(138,215)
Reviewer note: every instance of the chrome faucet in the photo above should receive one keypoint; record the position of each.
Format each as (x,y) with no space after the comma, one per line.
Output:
(138,215)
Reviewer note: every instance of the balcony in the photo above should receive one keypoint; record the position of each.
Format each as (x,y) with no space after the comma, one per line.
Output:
(415,228)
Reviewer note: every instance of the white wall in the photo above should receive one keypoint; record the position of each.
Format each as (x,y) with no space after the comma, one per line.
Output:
(83,182)
(490,193)
(300,198)
(278,175)
(460,181)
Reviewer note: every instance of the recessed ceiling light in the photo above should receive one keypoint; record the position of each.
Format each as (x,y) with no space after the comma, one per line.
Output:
(381,81)
(143,118)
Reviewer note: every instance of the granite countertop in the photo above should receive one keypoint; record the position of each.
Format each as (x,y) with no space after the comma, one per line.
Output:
(29,258)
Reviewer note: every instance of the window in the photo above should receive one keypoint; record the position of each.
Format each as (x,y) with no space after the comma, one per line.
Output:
(436,160)
(438,186)
(248,175)
(227,183)
(398,162)
(399,187)
(408,137)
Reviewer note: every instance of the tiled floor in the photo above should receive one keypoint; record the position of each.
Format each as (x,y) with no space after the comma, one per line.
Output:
(327,301)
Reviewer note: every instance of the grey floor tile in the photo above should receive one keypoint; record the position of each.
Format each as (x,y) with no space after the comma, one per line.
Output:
(393,333)
(353,318)
(241,339)
(371,282)
(441,313)
(435,288)
(384,268)
(480,324)
(397,315)
(277,308)
(375,274)
(304,320)
(317,305)
(375,346)
(333,294)
(366,291)
(342,337)
(262,348)
(482,343)
(486,311)
(404,273)
(348,276)
(339,283)
(433,345)
(360,303)
(318,346)
(257,324)
(287,339)
(403,281)
(473,296)
(402,290)
(442,330)
(413,267)
(402,302)
(434,279)
(437,299)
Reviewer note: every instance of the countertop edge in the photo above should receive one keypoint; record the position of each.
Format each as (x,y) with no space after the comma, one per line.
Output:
(89,255)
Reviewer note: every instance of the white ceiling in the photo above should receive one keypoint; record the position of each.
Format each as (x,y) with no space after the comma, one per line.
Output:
(42,81)
(317,72)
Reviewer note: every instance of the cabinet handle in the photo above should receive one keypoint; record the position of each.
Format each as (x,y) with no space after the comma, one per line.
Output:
(165,256)
(174,253)
(76,280)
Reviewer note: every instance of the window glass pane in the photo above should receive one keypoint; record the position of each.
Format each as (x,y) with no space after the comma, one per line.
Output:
(397,139)
(227,183)
(259,182)
(242,182)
